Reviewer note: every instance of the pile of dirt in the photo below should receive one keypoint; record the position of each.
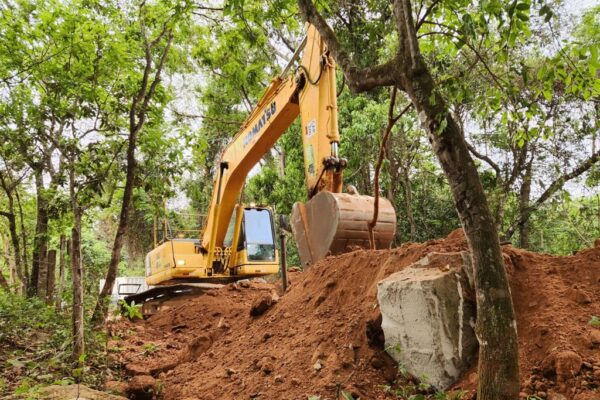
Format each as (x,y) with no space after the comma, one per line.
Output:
(323,335)
(555,301)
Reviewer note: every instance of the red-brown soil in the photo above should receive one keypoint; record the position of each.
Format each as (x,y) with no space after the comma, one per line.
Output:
(322,336)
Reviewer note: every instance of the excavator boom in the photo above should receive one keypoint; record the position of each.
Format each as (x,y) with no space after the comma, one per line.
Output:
(330,222)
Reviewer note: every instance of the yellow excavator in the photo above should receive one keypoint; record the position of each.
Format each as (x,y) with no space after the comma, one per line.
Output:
(238,241)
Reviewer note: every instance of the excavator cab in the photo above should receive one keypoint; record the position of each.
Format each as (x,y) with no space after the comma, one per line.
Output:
(258,234)
(251,238)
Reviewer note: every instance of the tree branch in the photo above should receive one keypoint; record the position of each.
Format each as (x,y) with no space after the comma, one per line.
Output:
(204,117)
(359,80)
(156,80)
(6,214)
(485,158)
(390,125)
(209,8)
(426,14)
(147,69)
(553,188)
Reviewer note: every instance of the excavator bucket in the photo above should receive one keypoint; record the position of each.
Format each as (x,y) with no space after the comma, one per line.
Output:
(335,223)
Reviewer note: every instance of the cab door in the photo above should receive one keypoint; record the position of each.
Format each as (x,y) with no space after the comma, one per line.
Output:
(256,252)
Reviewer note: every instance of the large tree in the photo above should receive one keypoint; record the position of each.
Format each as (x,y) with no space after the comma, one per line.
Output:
(157,25)
(407,70)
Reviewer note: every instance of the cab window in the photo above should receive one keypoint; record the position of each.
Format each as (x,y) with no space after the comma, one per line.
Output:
(258,230)
(230,230)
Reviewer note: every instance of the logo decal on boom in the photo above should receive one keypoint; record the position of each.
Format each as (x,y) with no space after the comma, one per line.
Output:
(311,128)
(269,112)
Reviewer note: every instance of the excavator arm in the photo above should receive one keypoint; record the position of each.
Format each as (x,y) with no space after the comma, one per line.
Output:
(337,220)
(277,109)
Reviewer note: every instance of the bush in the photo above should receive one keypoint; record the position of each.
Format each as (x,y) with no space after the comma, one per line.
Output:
(35,348)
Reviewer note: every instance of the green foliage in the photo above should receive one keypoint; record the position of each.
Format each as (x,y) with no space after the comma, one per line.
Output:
(281,192)
(346,396)
(594,321)
(566,225)
(239,59)
(411,391)
(21,317)
(453,395)
(131,311)
(95,255)
(397,348)
(150,348)
(35,346)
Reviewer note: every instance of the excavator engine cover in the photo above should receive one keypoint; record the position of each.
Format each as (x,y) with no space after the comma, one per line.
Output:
(335,223)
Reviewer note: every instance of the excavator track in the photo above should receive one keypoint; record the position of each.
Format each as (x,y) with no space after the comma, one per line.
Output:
(153,299)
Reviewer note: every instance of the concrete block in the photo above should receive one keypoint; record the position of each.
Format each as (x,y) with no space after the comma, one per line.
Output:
(427,318)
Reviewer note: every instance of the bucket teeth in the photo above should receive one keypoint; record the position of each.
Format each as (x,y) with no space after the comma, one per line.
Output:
(335,223)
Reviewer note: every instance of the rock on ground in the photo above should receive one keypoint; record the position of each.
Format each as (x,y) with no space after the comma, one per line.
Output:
(141,387)
(134,369)
(426,318)
(115,387)
(196,347)
(75,392)
(261,305)
(564,364)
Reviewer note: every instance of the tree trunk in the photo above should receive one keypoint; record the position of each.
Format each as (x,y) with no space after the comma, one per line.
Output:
(51,276)
(496,324)
(23,270)
(13,257)
(6,253)
(496,328)
(555,186)
(77,275)
(524,198)
(500,207)
(15,262)
(405,165)
(393,169)
(3,283)
(595,131)
(137,118)
(9,259)
(364,185)
(101,308)
(12,270)
(408,206)
(37,286)
(61,271)
(282,163)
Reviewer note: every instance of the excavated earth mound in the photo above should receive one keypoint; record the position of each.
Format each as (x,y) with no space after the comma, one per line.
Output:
(324,336)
